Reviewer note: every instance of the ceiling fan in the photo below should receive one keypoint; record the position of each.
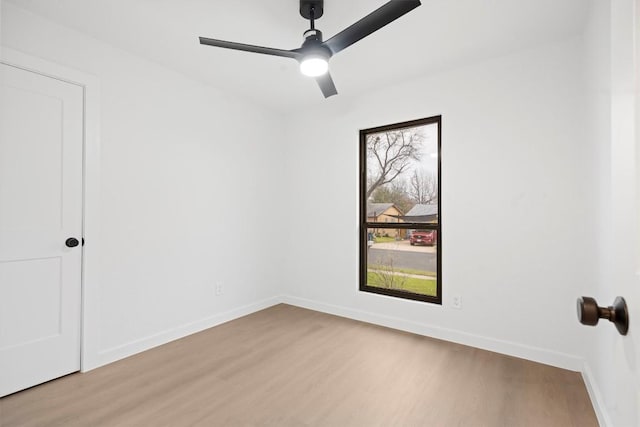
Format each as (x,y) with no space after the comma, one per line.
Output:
(314,53)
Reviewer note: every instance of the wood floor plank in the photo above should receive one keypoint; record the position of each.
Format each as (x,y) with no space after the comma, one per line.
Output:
(287,366)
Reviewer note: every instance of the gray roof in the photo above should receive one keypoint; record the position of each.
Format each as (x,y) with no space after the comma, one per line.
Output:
(374,209)
(422,210)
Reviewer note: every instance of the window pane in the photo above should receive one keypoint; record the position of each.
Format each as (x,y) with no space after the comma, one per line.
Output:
(402,175)
(402,260)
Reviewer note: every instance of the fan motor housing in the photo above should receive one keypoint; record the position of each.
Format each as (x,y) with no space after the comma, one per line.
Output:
(307,5)
(311,36)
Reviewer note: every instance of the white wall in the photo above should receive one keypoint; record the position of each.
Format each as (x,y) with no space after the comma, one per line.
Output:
(189,177)
(517,204)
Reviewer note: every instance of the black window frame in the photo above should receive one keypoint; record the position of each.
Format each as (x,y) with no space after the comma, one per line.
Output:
(364,224)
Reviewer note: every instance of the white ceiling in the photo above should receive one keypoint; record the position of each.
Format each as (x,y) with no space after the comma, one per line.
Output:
(437,35)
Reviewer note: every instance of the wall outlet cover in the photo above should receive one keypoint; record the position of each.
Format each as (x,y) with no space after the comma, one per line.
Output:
(456,302)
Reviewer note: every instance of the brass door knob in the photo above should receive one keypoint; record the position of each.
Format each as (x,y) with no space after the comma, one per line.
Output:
(589,313)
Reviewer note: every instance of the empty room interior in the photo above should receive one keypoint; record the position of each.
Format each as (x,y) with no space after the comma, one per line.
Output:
(319,213)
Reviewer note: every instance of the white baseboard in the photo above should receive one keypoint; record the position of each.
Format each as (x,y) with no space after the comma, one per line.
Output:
(540,355)
(129,349)
(597,400)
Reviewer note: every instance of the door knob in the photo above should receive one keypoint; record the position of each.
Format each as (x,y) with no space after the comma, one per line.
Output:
(72,242)
(589,313)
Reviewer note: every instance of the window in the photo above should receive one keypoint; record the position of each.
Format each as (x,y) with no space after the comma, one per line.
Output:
(400,235)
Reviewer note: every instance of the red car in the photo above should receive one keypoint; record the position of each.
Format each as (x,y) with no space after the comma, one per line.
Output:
(427,238)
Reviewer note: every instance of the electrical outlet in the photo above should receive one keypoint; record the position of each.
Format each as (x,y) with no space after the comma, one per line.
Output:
(219,289)
(456,302)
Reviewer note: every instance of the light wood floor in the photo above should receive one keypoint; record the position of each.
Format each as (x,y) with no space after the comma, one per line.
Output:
(286,366)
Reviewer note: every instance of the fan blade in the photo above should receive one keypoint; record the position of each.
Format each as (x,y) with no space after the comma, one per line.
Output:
(250,48)
(370,23)
(326,85)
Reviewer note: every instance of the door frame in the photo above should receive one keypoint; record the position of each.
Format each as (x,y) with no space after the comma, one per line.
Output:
(89,321)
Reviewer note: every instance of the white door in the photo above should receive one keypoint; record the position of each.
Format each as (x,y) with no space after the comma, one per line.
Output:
(620,355)
(41,139)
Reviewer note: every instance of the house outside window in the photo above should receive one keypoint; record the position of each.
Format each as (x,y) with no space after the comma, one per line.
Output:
(400,231)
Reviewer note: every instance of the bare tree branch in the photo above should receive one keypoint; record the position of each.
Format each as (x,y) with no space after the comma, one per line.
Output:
(423,187)
(393,154)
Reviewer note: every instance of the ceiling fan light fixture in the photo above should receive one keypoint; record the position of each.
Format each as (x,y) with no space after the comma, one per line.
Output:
(314,54)
(314,65)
